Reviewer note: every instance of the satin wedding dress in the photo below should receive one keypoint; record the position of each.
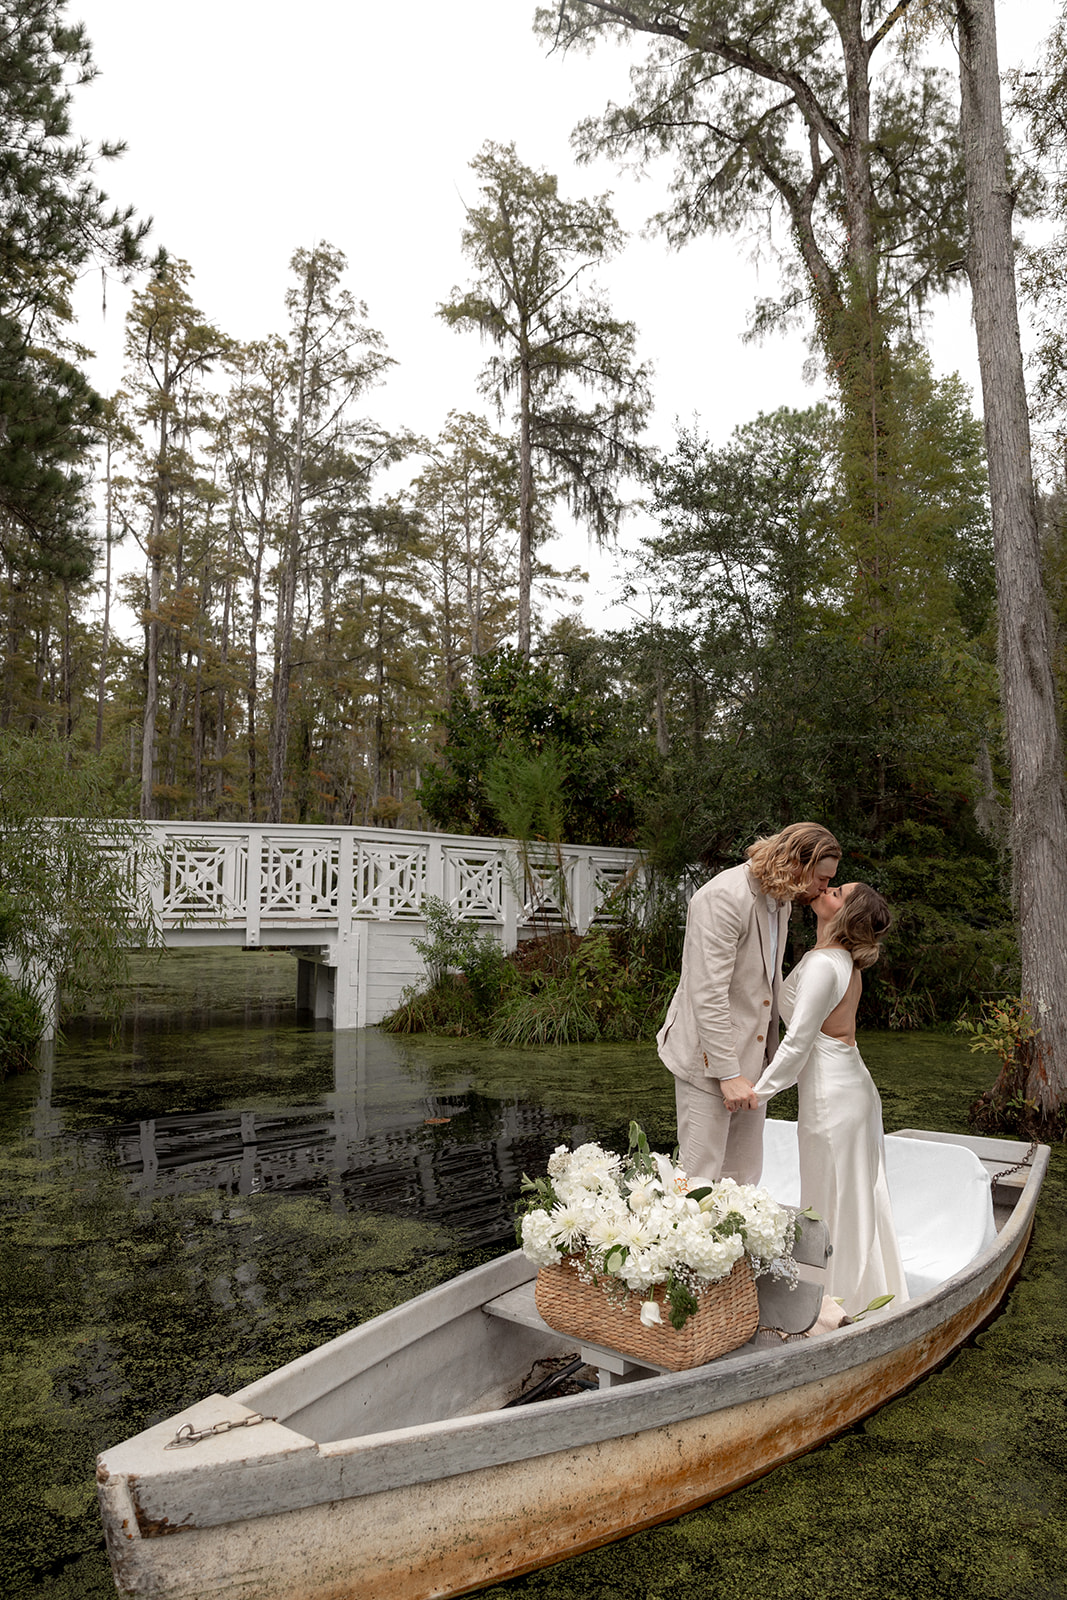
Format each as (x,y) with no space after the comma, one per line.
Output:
(839,1130)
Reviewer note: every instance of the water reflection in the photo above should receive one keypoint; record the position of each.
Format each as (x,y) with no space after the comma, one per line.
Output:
(384,1138)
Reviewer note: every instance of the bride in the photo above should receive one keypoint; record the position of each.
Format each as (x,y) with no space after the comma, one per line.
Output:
(842,1154)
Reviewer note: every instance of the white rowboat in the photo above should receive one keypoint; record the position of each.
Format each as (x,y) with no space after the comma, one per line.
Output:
(396,1467)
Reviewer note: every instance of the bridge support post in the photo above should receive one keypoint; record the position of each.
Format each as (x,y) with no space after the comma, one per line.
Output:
(314,988)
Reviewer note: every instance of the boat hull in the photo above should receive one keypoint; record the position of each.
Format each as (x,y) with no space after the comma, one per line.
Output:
(453,1533)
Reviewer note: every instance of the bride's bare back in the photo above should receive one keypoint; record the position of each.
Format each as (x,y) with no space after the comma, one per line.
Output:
(841,1023)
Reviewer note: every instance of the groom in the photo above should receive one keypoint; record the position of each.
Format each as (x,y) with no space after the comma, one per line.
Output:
(722,1025)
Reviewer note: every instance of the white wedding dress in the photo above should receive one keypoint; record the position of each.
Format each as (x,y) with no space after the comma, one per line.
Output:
(839,1132)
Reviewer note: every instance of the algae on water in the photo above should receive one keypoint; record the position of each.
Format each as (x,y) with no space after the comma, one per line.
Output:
(223,1189)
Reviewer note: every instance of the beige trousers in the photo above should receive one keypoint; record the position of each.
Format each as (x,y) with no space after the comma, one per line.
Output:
(713,1142)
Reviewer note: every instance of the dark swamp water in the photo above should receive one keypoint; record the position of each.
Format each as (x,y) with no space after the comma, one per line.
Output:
(225,1187)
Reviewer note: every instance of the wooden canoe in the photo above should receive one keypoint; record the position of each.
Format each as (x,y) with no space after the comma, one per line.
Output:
(395,1467)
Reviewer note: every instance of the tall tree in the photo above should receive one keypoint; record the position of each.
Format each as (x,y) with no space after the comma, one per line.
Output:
(169,347)
(54,219)
(334,356)
(557,340)
(1035,751)
(467,497)
(776,110)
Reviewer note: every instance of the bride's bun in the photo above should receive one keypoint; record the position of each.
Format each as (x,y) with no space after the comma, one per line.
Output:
(865,955)
(861,925)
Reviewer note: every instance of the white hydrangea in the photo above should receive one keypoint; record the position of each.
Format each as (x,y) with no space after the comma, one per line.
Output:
(642,1219)
(537,1244)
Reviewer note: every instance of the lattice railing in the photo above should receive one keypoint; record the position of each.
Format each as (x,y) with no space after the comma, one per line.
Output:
(390,880)
(476,882)
(277,877)
(204,879)
(299,879)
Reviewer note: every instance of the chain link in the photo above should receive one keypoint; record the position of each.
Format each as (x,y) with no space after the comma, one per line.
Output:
(187,1434)
(1019,1165)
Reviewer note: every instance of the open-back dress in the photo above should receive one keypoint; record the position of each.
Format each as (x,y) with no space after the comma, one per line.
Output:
(839,1132)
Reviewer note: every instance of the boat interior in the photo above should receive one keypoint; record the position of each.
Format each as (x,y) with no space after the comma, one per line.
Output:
(478,1343)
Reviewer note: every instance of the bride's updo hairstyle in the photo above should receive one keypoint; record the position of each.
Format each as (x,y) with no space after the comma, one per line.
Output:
(788,859)
(861,925)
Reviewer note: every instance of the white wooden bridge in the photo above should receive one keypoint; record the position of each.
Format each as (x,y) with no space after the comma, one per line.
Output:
(348,901)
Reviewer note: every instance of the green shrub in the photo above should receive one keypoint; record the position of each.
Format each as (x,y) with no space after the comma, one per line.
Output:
(457,946)
(545,1016)
(22,1025)
(558,989)
(447,1006)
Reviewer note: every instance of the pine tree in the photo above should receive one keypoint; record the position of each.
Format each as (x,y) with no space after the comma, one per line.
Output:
(558,341)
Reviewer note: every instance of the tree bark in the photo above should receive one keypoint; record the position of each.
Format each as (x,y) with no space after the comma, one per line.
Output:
(1035,754)
(105,635)
(155,573)
(526,510)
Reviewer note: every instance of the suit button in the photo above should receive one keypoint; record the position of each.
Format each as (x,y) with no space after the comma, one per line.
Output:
(766,1002)
(759,1038)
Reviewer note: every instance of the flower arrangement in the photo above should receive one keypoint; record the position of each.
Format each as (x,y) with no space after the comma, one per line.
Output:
(633,1222)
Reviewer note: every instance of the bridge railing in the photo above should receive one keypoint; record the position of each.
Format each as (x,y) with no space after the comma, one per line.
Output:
(269,877)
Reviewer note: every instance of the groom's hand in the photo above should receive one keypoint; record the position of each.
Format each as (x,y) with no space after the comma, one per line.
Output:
(738,1094)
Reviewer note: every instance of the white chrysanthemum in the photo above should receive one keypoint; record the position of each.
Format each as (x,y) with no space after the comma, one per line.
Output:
(608,1230)
(568,1227)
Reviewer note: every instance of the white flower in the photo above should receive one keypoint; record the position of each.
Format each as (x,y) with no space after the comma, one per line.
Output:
(537,1245)
(642,1194)
(606,1231)
(647,1227)
(568,1225)
(650,1314)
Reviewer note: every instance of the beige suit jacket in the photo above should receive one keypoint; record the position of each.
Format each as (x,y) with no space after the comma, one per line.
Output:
(724,1016)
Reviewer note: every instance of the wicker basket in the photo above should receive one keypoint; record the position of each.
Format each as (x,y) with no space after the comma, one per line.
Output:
(728,1315)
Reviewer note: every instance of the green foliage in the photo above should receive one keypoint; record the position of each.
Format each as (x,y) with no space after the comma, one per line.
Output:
(571,710)
(551,991)
(22,1024)
(1002,1028)
(527,793)
(457,946)
(447,1007)
(68,908)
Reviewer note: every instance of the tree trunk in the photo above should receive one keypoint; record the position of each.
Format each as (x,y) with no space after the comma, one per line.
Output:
(151,703)
(1039,809)
(105,635)
(287,582)
(526,510)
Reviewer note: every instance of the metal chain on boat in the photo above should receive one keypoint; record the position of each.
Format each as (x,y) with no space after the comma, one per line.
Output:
(187,1434)
(1019,1165)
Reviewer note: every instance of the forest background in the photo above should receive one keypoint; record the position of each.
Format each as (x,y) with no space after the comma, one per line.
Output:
(229,593)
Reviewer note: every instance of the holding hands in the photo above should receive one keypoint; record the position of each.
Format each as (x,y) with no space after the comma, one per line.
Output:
(738,1094)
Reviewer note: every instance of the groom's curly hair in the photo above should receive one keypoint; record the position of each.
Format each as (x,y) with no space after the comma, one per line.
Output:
(784,863)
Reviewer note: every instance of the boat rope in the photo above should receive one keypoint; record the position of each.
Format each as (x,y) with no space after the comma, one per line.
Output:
(187,1434)
(1019,1165)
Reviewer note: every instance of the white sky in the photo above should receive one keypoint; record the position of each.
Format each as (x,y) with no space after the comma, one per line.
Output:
(254,128)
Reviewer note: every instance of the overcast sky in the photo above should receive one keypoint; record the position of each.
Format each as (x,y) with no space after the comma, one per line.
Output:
(256,128)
